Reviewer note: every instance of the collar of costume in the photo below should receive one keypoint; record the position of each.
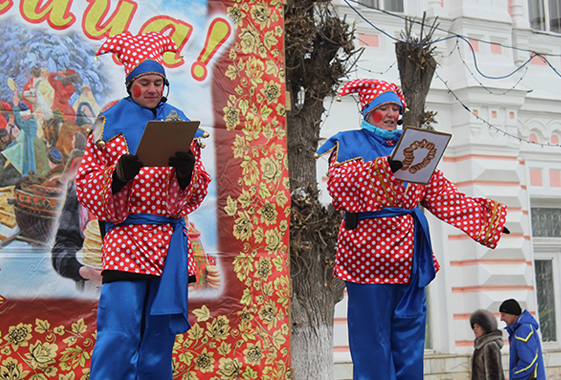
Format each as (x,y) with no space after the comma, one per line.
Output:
(359,144)
(129,118)
(171,297)
(383,133)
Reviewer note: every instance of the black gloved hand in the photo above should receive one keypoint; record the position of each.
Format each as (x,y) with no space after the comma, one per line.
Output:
(395,165)
(506,231)
(183,164)
(127,168)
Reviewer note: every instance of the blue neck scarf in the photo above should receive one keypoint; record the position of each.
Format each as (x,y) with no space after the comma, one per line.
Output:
(388,135)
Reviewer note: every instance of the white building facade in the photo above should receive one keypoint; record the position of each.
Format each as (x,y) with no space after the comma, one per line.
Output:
(497,90)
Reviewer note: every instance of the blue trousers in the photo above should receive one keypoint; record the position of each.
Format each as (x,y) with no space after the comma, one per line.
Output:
(383,346)
(131,344)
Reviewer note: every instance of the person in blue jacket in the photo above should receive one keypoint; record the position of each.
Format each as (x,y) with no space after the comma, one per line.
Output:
(526,360)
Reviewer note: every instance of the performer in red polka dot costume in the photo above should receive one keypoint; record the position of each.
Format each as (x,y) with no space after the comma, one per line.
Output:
(147,257)
(383,247)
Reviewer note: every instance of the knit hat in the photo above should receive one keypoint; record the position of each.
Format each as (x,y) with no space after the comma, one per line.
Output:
(141,54)
(485,319)
(373,93)
(510,306)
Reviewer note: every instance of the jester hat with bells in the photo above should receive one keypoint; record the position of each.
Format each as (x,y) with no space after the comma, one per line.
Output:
(141,54)
(372,93)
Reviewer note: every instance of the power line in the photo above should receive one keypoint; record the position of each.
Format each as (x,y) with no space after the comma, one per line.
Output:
(526,65)
(460,37)
(456,47)
(533,54)
(400,16)
(389,35)
(495,128)
(378,72)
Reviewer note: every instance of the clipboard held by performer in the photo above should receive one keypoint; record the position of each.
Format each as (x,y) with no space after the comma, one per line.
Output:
(420,151)
(162,139)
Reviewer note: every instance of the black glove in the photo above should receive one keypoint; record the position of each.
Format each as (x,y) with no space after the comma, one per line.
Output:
(183,164)
(128,166)
(506,231)
(395,165)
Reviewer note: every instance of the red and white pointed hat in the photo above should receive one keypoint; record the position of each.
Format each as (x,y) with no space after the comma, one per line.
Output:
(141,54)
(373,93)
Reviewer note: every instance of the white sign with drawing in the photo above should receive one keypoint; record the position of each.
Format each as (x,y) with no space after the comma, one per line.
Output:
(420,150)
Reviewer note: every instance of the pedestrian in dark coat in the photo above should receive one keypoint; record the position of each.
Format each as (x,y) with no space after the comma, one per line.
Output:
(486,361)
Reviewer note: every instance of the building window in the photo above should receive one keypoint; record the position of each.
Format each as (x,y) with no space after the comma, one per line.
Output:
(545,15)
(546,299)
(546,233)
(546,222)
(385,5)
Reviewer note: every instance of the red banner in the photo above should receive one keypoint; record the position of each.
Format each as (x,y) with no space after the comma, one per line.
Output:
(231,77)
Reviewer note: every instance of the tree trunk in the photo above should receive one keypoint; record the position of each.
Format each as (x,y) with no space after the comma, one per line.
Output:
(318,49)
(302,139)
(416,66)
(312,341)
(415,81)
(313,231)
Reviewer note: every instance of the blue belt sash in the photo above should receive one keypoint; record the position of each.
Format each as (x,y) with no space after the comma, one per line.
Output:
(422,270)
(171,296)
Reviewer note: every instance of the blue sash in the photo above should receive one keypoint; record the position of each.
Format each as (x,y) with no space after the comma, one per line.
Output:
(171,296)
(422,270)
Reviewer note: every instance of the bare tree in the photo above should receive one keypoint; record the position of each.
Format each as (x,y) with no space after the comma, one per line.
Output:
(416,63)
(319,50)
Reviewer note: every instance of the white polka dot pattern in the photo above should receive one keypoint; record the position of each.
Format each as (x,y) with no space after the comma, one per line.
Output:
(136,248)
(380,250)
(132,50)
(369,89)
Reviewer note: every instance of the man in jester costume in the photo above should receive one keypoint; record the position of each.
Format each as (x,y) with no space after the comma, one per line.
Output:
(146,254)
(383,249)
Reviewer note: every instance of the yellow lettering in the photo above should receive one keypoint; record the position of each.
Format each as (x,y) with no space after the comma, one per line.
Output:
(5,6)
(56,12)
(180,32)
(93,26)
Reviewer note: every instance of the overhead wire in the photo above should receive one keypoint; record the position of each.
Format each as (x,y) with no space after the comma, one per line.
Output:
(452,36)
(476,115)
(526,66)
(400,16)
(533,55)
